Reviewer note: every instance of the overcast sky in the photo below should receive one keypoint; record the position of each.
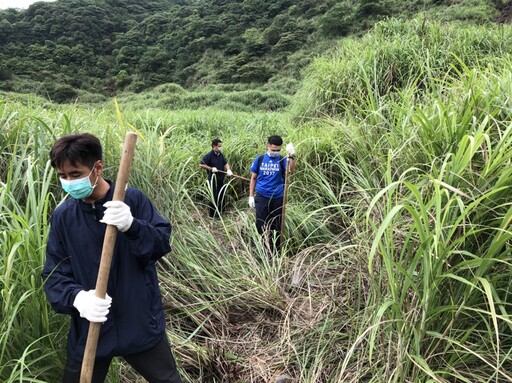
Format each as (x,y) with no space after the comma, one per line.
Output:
(4,4)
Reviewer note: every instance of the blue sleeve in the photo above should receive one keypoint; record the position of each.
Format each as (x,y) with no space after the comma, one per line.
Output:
(254,166)
(59,282)
(149,233)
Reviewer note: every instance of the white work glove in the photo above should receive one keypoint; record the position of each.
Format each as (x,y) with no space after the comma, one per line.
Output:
(91,307)
(118,214)
(252,204)
(214,169)
(229,173)
(290,150)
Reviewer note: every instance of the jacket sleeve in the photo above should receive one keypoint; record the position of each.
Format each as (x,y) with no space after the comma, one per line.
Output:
(149,233)
(59,283)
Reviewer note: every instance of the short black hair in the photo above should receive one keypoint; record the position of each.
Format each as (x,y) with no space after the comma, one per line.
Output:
(84,149)
(275,140)
(216,142)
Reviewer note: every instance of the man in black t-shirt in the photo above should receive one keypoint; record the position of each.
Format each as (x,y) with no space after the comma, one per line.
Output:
(217,165)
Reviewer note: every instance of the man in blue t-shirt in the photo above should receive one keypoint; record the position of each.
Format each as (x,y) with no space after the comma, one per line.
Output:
(268,179)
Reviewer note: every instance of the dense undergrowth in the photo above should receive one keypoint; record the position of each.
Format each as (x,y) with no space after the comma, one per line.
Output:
(396,264)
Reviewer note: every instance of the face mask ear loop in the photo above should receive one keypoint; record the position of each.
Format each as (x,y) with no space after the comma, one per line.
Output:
(95,182)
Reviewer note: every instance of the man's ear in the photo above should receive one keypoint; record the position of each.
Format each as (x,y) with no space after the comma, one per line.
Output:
(98,167)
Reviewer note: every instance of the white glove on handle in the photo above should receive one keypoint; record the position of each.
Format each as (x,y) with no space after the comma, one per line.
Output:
(290,150)
(118,214)
(252,204)
(91,307)
(229,173)
(214,169)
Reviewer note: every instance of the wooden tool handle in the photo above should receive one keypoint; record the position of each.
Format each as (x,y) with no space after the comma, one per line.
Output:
(106,256)
(285,195)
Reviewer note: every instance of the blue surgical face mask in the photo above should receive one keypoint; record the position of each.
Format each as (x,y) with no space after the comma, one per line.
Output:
(79,188)
(273,154)
(219,148)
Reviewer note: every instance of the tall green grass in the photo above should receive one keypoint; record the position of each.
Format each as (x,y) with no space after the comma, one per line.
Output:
(396,56)
(27,329)
(395,264)
(437,174)
(172,97)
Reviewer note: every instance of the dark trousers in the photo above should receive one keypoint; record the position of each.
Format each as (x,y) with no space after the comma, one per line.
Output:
(268,219)
(216,204)
(156,365)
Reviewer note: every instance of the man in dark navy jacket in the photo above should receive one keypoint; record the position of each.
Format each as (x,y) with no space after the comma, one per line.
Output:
(132,314)
(217,165)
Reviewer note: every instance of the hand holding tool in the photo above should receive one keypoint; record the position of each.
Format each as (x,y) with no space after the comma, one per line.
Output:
(118,214)
(91,307)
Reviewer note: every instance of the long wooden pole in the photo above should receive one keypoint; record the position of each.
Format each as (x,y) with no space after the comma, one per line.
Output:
(285,194)
(106,256)
(234,175)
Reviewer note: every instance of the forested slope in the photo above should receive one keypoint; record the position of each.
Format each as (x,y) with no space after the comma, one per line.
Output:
(108,46)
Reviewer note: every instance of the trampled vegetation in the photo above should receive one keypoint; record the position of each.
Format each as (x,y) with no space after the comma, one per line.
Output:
(396,263)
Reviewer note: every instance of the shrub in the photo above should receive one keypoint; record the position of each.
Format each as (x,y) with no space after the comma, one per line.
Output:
(169,88)
(60,93)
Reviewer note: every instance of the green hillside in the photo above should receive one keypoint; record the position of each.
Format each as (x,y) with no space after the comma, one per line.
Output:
(57,49)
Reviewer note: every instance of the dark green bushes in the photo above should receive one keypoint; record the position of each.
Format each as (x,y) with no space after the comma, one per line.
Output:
(241,101)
